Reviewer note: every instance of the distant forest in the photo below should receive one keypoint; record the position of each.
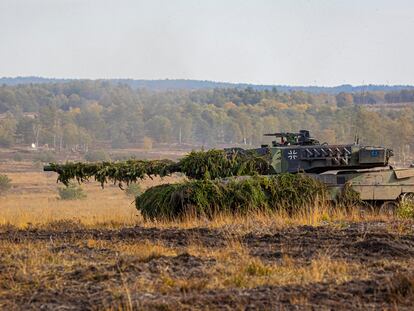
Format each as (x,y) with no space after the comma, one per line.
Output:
(175,84)
(89,113)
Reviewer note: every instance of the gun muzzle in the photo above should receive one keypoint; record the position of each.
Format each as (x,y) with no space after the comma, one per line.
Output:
(48,168)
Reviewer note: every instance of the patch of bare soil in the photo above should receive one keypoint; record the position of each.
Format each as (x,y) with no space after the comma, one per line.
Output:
(77,275)
(353,295)
(361,242)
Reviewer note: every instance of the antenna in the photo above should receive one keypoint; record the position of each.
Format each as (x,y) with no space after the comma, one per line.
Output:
(356,139)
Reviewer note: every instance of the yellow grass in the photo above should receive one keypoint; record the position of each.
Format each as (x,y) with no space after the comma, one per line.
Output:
(34,200)
(56,265)
(25,210)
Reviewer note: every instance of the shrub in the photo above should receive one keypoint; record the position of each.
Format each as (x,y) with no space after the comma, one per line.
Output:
(5,184)
(133,190)
(405,209)
(71,192)
(97,155)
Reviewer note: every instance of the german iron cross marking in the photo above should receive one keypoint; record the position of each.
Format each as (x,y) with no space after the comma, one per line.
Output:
(292,154)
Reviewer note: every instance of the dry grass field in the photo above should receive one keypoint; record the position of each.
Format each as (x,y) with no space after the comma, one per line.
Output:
(34,200)
(99,254)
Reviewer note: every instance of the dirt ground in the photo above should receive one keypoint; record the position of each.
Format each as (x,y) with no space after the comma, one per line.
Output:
(82,268)
(98,254)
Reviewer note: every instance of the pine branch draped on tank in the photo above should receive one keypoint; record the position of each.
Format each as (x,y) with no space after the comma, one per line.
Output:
(116,172)
(214,164)
(235,196)
(210,164)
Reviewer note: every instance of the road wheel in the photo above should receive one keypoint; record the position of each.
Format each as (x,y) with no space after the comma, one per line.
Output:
(369,207)
(389,208)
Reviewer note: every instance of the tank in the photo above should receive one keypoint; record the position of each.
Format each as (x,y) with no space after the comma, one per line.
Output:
(365,169)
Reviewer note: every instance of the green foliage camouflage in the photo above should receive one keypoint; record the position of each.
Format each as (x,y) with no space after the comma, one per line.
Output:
(116,172)
(235,195)
(218,184)
(214,164)
(210,164)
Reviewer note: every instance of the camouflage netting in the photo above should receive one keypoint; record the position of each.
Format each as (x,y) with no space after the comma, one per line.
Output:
(235,196)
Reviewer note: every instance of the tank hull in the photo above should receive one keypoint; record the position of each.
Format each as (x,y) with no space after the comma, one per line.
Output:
(380,184)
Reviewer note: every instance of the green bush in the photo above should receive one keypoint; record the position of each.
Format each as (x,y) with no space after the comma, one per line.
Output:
(405,210)
(71,192)
(210,164)
(97,155)
(5,184)
(290,192)
(133,190)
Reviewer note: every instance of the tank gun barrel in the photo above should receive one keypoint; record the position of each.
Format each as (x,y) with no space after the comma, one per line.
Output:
(48,168)
(282,134)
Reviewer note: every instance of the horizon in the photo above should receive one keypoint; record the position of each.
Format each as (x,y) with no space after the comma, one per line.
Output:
(205,80)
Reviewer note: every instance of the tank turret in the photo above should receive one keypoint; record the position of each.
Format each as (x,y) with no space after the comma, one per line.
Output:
(299,152)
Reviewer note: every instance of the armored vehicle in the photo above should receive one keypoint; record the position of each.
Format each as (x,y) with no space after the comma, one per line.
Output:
(365,169)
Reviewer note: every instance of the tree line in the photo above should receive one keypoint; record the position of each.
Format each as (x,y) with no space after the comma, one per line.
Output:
(83,114)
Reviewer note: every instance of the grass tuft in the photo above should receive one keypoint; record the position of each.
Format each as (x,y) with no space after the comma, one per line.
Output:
(405,210)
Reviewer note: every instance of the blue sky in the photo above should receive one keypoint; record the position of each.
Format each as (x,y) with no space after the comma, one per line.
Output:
(297,42)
